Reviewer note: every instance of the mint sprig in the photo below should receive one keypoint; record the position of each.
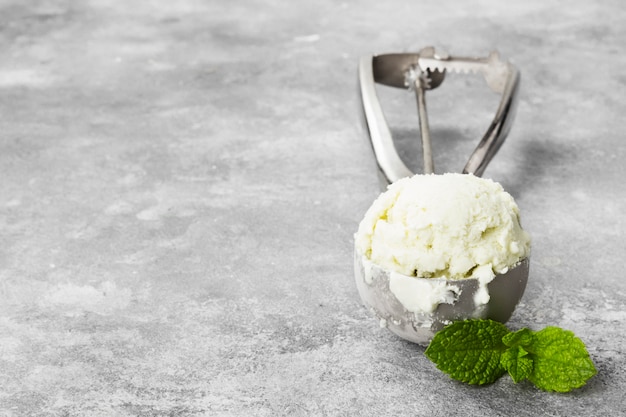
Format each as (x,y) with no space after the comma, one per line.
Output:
(481,351)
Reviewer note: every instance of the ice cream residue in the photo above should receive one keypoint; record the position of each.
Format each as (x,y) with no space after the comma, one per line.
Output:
(421,295)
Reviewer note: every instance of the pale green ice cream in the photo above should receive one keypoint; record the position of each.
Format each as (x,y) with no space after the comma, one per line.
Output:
(452,225)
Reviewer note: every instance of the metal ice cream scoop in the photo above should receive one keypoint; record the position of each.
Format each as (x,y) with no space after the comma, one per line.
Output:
(459,298)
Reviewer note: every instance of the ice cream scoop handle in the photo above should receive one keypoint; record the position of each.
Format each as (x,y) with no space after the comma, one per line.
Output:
(498,130)
(427,152)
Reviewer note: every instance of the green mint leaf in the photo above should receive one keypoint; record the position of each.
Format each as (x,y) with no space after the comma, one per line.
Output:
(561,361)
(469,351)
(517,362)
(523,337)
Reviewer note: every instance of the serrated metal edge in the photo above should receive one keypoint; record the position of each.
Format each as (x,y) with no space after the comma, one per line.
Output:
(454,65)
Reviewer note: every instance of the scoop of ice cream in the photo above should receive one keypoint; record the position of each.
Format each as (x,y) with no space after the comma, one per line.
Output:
(451,226)
(437,248)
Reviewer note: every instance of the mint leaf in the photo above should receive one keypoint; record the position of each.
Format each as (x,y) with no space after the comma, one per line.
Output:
(522,337)
(469,351)
(517,362)
(561,361)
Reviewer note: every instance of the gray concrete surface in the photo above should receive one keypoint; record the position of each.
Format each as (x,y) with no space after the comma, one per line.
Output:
(180,182)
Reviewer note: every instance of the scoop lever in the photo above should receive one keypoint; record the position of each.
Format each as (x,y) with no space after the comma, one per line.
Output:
(424,71)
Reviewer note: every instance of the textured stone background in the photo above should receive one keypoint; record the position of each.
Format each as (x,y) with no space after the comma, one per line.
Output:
(180,182)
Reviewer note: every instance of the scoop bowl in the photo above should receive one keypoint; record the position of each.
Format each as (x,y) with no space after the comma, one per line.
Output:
(458,299)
